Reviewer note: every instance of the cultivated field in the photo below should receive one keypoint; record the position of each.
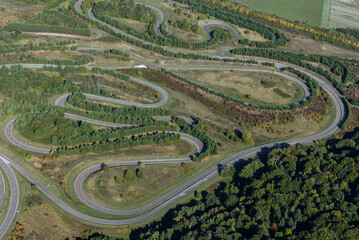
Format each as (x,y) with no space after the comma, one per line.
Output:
(340,13)
(307,11)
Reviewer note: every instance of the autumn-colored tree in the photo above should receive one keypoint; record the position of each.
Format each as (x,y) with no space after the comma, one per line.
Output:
(105,168)
(247,137)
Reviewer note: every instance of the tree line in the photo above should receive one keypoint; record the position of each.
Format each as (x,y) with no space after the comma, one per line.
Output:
(57,18)
(80,60)
(27,27)
(61,46)
(104,135)
(116,145)
(79,100)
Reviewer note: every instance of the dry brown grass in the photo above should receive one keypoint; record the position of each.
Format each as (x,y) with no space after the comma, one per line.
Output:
(140,27)
(12,11)
(252,35)
(189,36)
(102,189)
(241,83)
(303,44)
(49,223)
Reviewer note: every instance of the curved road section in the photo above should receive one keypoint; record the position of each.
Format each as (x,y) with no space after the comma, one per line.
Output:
(229,28)
(159,20)
(14,198)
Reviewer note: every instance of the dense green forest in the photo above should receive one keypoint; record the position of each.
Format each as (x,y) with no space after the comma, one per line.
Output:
(24,85)
(60,45)
(44,125)
(299,192)
(128,9)
(51,17)
(185,25)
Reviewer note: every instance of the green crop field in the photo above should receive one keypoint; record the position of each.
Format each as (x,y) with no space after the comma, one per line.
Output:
(309,11)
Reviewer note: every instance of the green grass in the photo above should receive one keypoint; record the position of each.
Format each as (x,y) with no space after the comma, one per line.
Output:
(308,11)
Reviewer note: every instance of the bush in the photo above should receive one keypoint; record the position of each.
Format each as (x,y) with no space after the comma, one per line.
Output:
(139,173)
(127,175)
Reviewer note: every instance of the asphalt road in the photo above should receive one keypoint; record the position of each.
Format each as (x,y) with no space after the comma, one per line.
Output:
(177,192)
(2,190)
(9,135)
(159,20)
(14,198)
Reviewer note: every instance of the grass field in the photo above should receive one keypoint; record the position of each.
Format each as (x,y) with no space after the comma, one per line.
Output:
(277,91)
(13,11)
(102,189)
(137,25)
(307,11)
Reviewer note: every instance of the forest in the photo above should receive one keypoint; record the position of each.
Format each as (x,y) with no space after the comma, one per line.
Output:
(24,85)
(298,192)
(184,25)
(46,124)
(118,143)
(61,45)
(27,27)
(51,17)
